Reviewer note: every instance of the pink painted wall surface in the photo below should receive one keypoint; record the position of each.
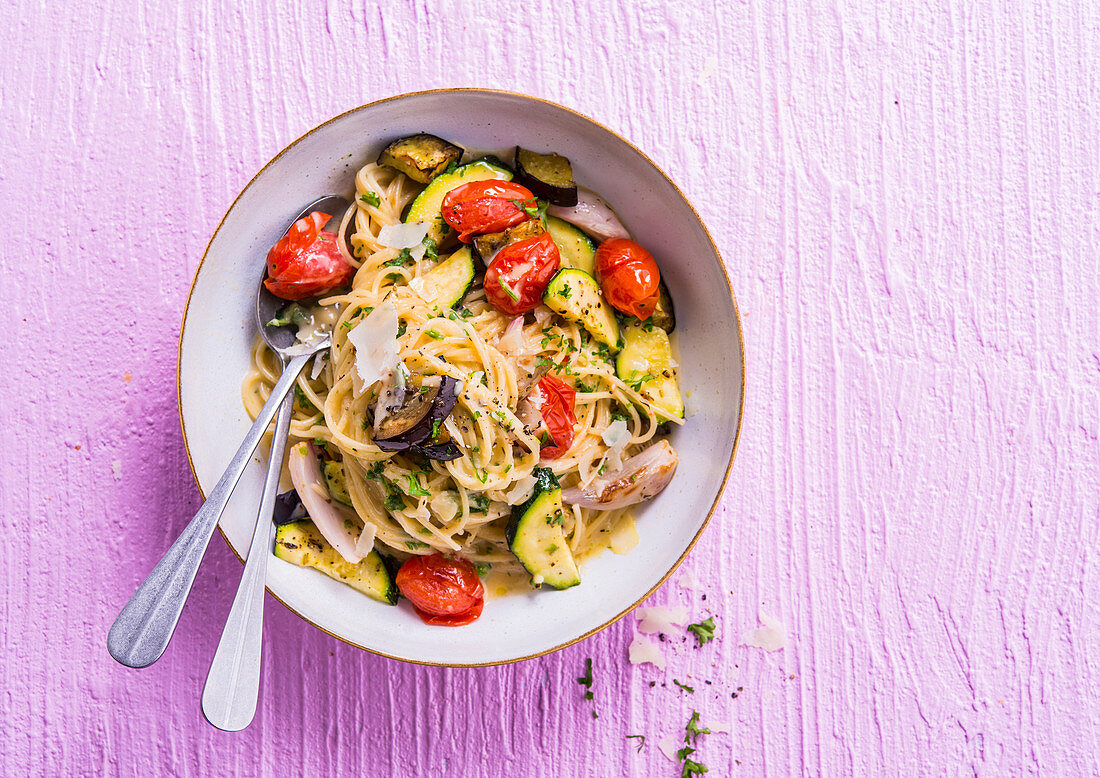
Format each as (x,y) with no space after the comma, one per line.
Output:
(906,196)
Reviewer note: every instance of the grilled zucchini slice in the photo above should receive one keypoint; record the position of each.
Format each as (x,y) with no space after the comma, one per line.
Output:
(575,295)
(449,281)
(301,543)
(646,364)
(421,157)
(425,208)
(536,537)
(576,249)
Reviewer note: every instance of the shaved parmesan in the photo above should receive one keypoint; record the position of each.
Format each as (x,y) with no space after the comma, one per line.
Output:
(616,435)
(645,651)
(404,236)
(375,342)
(445,505)
(669,745)
(365,544)
(661,619)
(512,341)
(772,636)
(319,363)
(687,580)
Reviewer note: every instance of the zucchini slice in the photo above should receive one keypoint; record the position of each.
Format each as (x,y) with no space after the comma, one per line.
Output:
(549,176)
(425,208)
(421,157)
(664,315)
(576,249)
(646,364)
(536,537)
(575,295)
(300,543)
(449,281)
(487,246)
(337,481)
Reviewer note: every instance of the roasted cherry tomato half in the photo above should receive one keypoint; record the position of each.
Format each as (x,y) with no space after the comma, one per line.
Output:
(628,277)
(556,401)
(520,272)
(443,590)
(481,207)
(306,262)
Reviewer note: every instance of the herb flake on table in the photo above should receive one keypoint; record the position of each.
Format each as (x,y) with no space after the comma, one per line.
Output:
(640,739)
(703,631)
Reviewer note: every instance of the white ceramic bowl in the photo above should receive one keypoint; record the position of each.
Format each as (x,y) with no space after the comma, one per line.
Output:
(218,331)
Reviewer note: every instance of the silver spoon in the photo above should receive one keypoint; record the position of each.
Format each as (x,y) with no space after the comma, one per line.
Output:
(146,623)
(233,683)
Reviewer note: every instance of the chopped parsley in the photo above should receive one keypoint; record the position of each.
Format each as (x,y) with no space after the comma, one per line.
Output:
(703,631)
(399,260)
(303,400)
(451,167)
(436,424)
(371,198)
(691,733)
(414,544)
(557,519)
(586,679)
(291,314)
(684,686)
(431,249)
(635,382)
(434,334)
(507,289)
(565,291)
(482,475)
(401,328)
(692,729)
(639,738)
(415,489)
(479,503)
(394,501)
(551,548)
(482,568)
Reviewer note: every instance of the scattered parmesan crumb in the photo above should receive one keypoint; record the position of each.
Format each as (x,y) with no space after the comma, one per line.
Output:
(643,650)
(116,468)
(669,745)
(687,580)
(770,637)
(661,619)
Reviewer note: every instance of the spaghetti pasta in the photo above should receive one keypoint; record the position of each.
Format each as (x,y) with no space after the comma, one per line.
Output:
(421,506)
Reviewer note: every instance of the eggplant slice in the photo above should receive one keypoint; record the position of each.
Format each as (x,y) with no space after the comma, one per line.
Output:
(487,246)
(412,424)
(549,176)
(421,157)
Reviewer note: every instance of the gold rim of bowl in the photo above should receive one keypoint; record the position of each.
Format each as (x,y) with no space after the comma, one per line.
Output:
(737,320)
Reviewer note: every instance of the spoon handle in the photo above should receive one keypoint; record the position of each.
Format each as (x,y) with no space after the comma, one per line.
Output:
(146,623)
(233,683)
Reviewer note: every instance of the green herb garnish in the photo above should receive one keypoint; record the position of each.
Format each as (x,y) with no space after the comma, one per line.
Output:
(371,198)
(703,631)
(479,503)
(414,544)
(482,568)
(639,738)
(415,489)
(684,686)
(507,289)
(434,334)
(586,679)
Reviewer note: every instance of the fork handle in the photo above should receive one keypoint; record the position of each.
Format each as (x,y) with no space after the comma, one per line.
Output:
(233,683)
(146,623)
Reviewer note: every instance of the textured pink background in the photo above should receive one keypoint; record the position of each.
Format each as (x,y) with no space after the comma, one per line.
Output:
(907,201)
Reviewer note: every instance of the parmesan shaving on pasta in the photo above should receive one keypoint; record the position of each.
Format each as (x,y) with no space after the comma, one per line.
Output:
(375,341)
(772,636)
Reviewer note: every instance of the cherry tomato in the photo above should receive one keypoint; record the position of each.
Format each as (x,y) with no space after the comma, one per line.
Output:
(628,276)
(306,262)
(520,272)
(485,206)
(443,590)
(556,401)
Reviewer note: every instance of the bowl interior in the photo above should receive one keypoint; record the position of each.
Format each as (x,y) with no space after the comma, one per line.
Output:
(218,332)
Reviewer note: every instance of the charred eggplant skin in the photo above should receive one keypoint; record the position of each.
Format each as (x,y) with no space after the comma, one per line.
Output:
(443,402)
(549,176)
(421,157)
(664,315)
(488,245)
